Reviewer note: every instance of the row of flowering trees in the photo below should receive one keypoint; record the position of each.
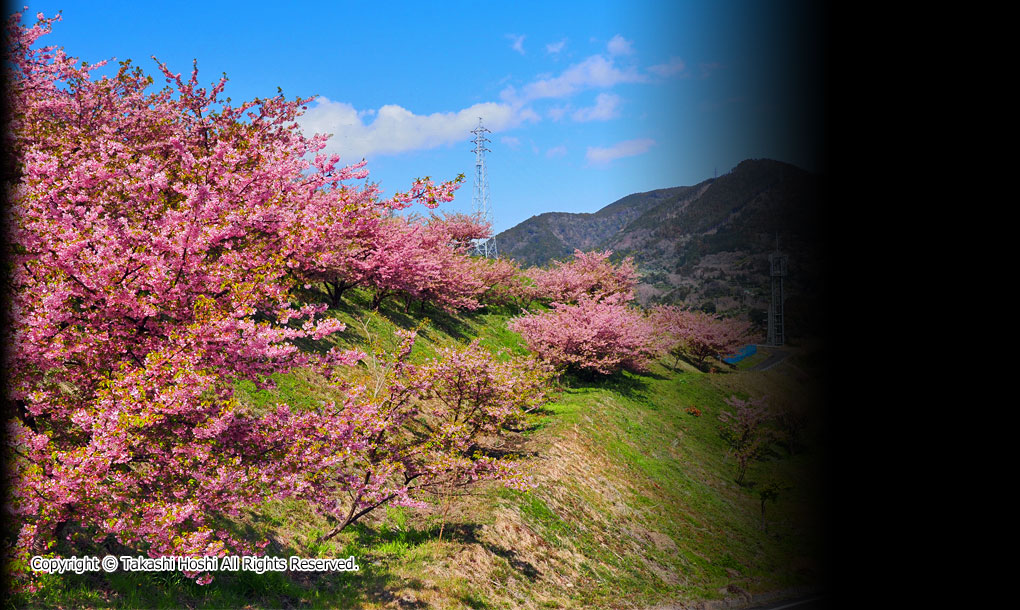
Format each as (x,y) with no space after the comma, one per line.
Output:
(595,327)
(156,242)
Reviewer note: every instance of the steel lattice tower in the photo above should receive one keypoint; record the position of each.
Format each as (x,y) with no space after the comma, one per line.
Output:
(487,247)
(777,270)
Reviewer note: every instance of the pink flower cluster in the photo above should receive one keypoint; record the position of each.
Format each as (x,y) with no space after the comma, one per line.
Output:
(593,326)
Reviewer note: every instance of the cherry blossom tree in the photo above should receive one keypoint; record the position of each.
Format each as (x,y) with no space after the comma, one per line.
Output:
(445,269)
(696,335)
(745,428)
(593,327)
(424,260)
(587,273)
(503,282)
(459,230)
(395,255)
(600,336)
(428,428)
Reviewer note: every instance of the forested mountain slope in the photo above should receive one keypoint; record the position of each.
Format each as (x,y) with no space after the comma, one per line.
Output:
(705,245)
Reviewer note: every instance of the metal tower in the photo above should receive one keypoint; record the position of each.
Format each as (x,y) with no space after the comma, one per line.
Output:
(487,247)
(777,270)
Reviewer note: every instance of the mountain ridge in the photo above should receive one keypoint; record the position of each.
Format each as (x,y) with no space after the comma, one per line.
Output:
(705,245)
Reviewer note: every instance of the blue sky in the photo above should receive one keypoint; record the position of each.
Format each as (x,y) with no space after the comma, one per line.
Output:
(587,101)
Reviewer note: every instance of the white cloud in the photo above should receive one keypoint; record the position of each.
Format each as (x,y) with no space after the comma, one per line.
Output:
(618,45)
(518,42)
(628,148)
(606,107)
(556,151)
(527,114)
(558,112)
(594,72)
(673,66)
(511,141)
(396,130)
(554,48)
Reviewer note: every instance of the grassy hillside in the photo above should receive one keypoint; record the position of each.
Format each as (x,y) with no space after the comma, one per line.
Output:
(635,504)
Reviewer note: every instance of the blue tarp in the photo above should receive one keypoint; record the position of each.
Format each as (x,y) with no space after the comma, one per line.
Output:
(744,353)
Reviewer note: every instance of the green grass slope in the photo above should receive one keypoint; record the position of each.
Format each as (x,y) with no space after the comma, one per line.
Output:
(635,505)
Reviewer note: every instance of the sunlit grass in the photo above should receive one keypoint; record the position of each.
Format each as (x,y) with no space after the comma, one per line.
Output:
(636,499)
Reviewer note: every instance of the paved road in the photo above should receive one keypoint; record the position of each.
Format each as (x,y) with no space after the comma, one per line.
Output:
(810,603)
(775,357)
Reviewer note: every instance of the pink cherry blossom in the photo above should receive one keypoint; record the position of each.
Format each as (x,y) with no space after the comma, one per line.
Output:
(157,241)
